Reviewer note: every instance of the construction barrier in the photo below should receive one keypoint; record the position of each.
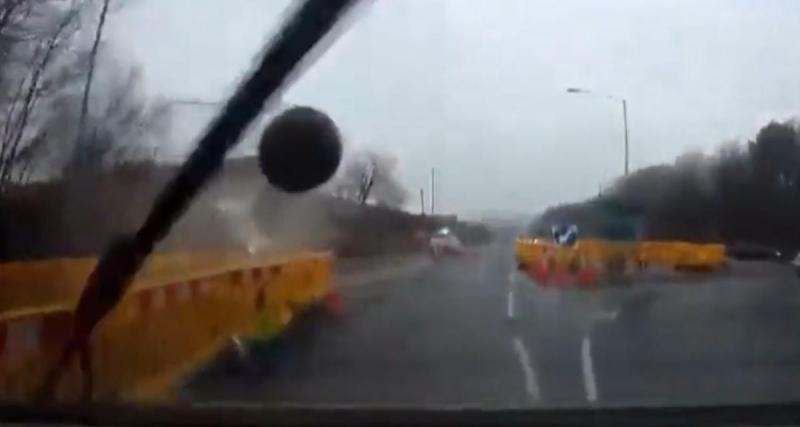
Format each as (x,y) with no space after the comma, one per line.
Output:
(169,324)
(60,281)
(589,260)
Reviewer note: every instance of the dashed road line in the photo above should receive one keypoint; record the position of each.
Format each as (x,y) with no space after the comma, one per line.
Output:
(510,308)
(589,382)
(512,281)
(531,383)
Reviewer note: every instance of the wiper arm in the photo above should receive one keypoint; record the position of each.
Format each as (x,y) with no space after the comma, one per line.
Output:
(116,268)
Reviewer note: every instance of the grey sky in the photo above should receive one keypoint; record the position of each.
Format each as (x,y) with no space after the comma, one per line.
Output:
(477,88)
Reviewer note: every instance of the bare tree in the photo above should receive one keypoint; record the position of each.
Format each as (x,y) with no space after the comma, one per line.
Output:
(51,91)
(369,175)
(87,88)
(33,35)
(367,181)
(127,125)
(122,125)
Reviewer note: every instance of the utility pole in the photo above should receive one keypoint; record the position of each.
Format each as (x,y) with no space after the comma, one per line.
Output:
(422,200)
(433,191)
(625,121)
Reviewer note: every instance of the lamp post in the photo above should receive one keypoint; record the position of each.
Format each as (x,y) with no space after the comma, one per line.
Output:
(624,113)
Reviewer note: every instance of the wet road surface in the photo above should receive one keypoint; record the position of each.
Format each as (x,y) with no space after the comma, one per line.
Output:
(473,332)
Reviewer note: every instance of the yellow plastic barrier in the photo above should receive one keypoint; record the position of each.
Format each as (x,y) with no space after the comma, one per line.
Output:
(164,328)
(682,254)
(604,257)
(659,253)
(596,249)
(528,250)
(60,281)
(702,256)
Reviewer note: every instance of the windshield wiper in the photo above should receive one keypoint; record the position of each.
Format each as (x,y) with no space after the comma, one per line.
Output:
(106,285)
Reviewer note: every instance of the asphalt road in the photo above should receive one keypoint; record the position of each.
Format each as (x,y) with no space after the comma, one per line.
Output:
(472,332)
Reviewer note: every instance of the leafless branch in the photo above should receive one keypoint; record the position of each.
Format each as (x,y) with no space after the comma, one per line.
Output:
(20,110)
(90,74)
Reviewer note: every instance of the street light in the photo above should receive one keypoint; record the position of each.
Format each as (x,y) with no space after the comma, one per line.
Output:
(196,102)
(624,113)
(191,102)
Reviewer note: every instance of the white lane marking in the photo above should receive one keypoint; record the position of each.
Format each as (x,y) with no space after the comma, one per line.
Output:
(608,315)
(510,310)
(589,381)
(531,384)
(512,281)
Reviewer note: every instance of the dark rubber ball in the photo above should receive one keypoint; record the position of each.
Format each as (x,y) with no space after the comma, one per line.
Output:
(300,149)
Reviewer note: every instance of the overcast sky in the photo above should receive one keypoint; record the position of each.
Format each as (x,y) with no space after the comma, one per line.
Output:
(477,88)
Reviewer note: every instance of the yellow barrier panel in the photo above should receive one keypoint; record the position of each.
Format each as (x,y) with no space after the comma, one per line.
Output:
(60,281)
(604,257)
(164,328)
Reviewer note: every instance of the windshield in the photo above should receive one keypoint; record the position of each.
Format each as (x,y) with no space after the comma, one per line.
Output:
(518,204)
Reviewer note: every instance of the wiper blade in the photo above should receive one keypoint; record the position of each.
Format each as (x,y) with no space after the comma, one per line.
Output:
(106,285)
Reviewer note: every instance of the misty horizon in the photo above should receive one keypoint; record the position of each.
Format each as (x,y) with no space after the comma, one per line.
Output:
(478,89)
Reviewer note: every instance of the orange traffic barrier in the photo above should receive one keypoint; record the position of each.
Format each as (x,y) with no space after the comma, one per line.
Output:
(588,261)
(586,276)
(539,272)
(162,330)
